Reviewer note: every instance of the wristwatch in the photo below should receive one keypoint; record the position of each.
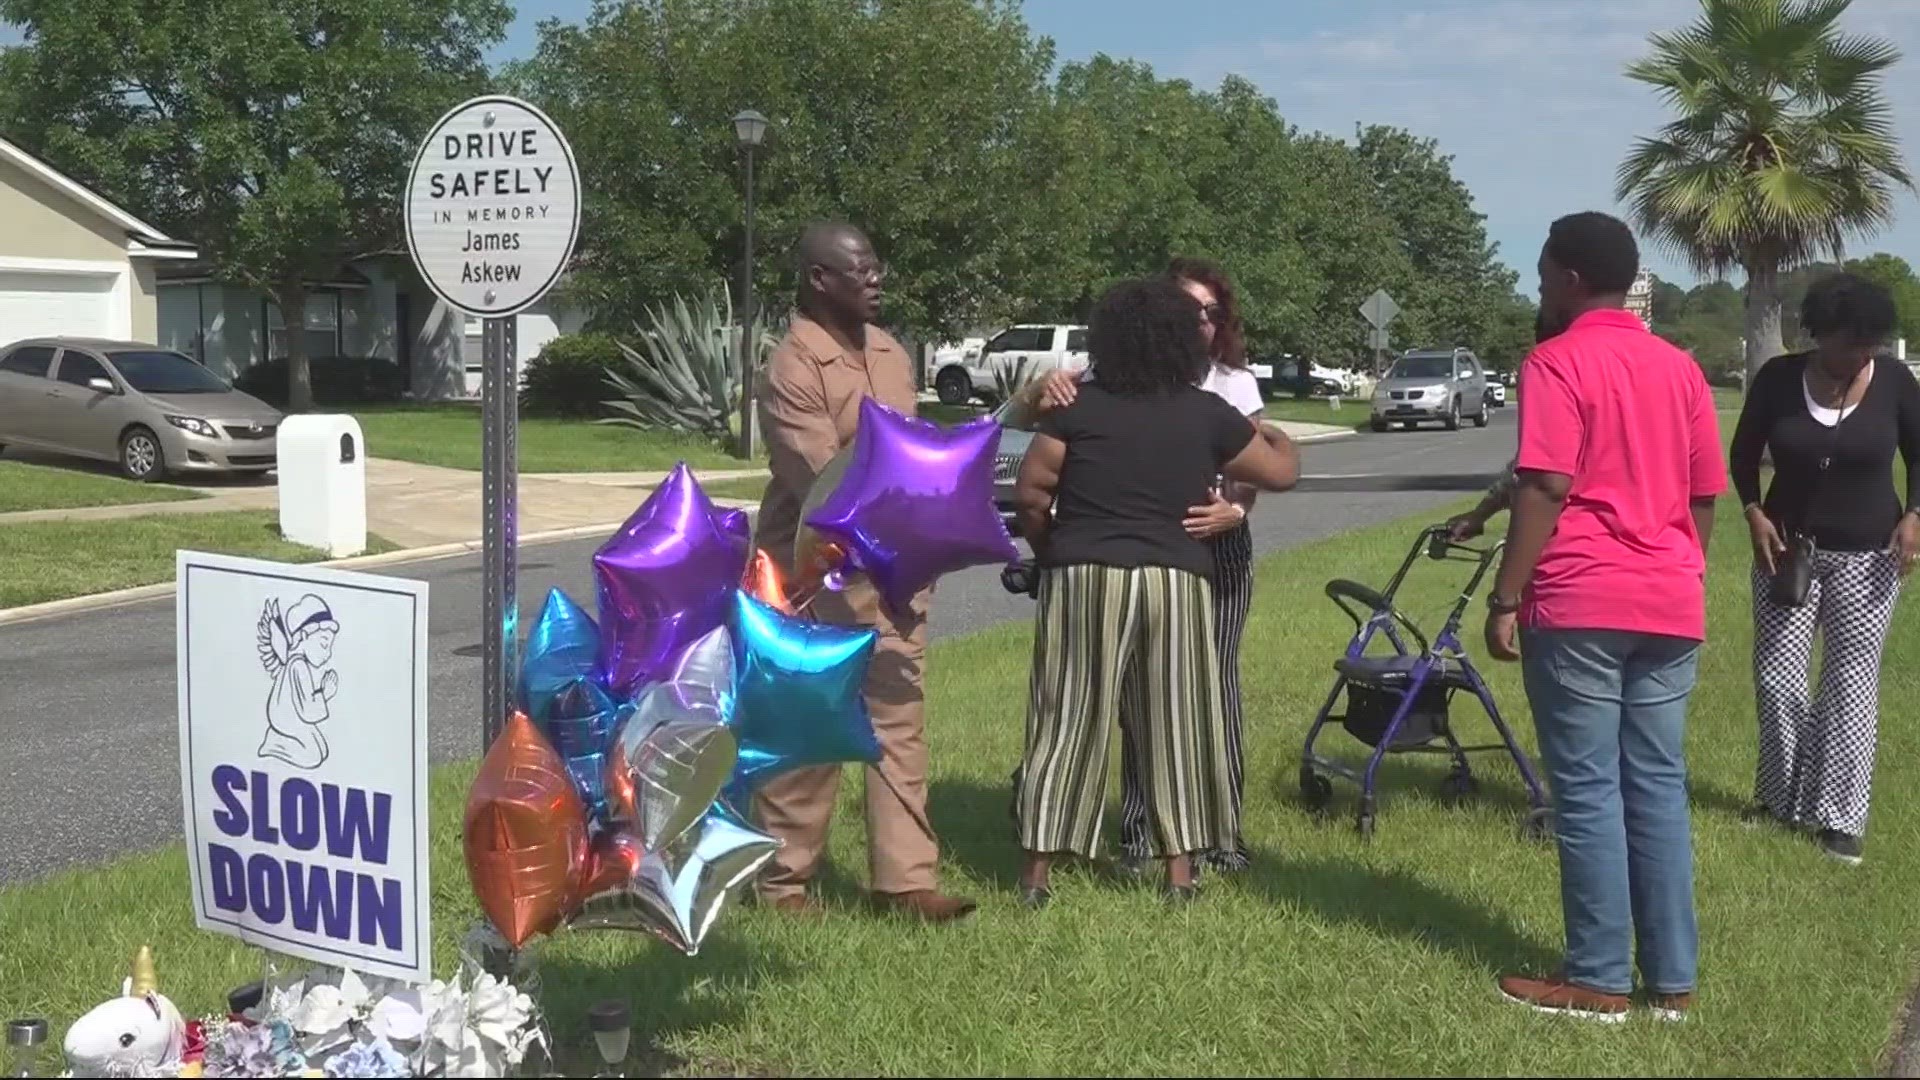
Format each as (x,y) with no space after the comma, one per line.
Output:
(1501,605)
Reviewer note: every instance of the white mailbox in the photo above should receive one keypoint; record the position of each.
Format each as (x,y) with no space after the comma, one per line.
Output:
(323,483)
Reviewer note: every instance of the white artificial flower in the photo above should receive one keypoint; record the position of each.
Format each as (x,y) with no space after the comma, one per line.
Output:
(326,1015)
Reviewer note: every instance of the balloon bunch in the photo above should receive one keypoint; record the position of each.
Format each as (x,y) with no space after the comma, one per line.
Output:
(618,795)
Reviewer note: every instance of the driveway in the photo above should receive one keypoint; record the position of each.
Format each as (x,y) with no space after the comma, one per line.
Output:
(87,701)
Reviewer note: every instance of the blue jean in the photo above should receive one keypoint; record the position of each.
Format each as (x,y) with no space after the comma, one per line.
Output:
(1611,710)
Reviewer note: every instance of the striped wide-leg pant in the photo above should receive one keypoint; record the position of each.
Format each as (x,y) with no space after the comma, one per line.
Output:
(1815,765)
(1232,597)
(1100,633)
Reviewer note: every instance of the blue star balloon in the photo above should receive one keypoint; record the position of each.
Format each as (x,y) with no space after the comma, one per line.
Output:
(582,722)
(561,650)
(797,695)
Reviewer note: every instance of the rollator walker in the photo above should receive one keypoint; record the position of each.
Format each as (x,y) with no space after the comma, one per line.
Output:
(1399,703)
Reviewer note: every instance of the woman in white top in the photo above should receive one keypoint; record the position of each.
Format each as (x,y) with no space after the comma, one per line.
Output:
(1222,521)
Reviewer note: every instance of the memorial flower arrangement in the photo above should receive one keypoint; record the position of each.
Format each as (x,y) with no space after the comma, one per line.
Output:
(332,1024)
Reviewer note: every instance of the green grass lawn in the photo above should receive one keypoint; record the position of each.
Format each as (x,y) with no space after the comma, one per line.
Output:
(48,487)
(54,560)
(1331,957)
(748,488)
(449,436)
(1352,413)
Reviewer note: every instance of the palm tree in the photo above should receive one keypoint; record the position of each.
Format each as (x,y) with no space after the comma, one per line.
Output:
(1783,148)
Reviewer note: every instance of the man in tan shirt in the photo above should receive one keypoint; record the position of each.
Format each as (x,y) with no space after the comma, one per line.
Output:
(809,395)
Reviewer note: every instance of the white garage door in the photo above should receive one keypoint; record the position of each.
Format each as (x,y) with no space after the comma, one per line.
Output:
(42,304)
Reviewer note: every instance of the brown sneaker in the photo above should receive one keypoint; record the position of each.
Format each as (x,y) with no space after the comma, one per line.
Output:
(926,905)
(1556,995)
(1669,1007)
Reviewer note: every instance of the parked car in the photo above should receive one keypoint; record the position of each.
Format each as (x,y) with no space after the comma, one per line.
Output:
(1432,384)
(1496,393)
(1036,348)
(1281,376)
(1006,464)
(151,410)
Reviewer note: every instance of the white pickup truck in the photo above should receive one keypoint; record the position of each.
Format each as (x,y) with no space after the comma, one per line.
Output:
(1039,347)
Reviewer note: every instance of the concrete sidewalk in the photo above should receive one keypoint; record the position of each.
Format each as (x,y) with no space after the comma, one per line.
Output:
(415,505)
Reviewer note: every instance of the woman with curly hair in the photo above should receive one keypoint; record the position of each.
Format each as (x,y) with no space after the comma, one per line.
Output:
(1832,538)
(1126,611)
(1221,521)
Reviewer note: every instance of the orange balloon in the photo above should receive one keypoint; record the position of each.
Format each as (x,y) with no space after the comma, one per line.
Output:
(525,834)
(766,582)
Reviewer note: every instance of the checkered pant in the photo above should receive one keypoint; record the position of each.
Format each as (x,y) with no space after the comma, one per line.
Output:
(1816,753)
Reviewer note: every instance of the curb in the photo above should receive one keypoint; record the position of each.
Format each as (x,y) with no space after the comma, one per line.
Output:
(1906,1048)
(1329,436)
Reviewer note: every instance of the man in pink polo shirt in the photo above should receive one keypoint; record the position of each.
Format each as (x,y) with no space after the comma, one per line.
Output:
(1604,576)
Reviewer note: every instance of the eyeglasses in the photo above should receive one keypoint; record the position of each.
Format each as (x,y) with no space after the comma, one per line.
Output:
(871,272)
(1214,314)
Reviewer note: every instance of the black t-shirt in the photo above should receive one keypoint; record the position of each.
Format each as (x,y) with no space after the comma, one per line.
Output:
(1134,466)
(1851,505)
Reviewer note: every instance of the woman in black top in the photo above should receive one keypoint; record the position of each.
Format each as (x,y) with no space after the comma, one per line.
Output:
(1125,608)
(1832,419)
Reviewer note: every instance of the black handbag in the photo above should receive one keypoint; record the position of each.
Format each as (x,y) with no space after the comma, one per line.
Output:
(1792,582)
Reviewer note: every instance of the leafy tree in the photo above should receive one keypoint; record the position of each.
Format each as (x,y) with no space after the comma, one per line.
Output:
(1783,147)
(1898,277)
(925,122)
(1458,291)
(275,133)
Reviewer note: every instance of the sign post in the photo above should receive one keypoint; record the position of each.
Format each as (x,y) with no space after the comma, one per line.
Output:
(303,760)
(1379,310)
(493,210)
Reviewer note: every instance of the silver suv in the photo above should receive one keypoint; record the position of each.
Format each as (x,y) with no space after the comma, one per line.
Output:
(1429,385)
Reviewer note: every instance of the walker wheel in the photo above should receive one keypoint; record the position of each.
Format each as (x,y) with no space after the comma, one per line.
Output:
(1539,824)
(1459,787)
(1315,790)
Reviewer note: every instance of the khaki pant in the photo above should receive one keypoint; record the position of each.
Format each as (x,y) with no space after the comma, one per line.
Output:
(797,806)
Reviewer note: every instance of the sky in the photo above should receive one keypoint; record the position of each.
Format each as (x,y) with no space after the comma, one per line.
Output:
(1526,95)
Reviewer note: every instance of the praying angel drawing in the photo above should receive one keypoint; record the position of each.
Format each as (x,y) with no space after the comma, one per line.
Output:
(296,648)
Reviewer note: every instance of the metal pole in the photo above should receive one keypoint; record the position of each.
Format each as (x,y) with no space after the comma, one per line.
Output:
(500,523)
(746,325)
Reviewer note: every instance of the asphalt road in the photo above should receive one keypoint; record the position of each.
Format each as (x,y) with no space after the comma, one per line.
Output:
(88,708)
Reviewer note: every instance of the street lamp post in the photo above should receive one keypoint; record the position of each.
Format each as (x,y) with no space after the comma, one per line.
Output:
(749,128)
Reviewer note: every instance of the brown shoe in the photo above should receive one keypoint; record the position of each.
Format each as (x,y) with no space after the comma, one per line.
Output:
(926,905)
(1556,995)
(1669,1007)
(793,903)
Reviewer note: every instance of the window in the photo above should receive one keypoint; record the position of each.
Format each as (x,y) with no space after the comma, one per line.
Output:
(321,327)
(31,360)
(1023,339)
(156,372)
(1423,367)
(77,367)
(1076,341)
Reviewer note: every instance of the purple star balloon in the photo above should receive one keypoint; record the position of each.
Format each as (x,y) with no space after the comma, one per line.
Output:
(664,580)
(916,502)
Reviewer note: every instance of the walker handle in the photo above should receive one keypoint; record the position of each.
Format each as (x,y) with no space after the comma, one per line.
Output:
(1349,593)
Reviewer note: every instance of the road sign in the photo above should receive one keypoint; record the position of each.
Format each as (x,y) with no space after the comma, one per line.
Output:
(303,760)
(1377,339)
(1379,309)
(493,206)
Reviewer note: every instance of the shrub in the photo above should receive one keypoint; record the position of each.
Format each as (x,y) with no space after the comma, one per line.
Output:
(338,381)
(684,376)
(569,377)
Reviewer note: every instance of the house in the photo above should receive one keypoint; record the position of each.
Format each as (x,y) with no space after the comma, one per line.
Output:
(71,262)
(377,307)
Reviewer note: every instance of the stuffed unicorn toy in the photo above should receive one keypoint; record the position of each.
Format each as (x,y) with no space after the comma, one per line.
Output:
(139,1033)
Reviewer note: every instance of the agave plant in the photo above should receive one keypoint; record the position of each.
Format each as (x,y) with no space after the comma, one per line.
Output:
(1011,378)
(685,375)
